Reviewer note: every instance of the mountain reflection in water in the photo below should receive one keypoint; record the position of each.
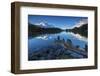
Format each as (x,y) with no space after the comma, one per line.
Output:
(63,45)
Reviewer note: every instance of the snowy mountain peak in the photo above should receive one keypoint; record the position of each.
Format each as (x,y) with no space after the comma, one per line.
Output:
(80,23)
(44,25)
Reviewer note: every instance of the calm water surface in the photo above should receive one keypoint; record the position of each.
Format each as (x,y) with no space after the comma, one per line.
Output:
(42,41)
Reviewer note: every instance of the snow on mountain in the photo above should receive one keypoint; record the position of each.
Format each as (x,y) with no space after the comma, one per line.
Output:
(44,25)
(80,23)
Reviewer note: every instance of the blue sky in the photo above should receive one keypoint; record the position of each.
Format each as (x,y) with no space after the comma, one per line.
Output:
(58,21)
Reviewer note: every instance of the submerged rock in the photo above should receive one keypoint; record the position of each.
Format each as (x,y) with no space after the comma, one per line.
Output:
(55,51)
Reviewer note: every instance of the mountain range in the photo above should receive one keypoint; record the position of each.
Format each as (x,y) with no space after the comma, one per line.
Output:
(45,28)
(42,28)
(44,25)
(83,30)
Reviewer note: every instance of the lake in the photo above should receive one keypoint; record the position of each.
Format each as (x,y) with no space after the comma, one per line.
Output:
(45,41)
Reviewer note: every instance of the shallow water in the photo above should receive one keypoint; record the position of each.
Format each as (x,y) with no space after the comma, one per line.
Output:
(45,40)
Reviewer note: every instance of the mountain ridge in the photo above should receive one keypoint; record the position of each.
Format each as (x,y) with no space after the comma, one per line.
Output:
(83,30)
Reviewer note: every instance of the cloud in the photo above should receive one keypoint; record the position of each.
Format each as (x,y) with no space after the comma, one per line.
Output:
(81,22)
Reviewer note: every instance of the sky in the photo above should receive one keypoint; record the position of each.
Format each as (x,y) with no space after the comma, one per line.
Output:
(58,21)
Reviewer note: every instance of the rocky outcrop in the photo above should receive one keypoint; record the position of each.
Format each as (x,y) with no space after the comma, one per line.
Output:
(58,51)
